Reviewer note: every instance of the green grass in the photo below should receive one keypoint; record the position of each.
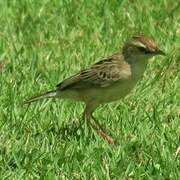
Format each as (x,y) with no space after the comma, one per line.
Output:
(41,43)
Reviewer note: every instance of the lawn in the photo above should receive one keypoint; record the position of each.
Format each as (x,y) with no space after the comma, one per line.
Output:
(43,42)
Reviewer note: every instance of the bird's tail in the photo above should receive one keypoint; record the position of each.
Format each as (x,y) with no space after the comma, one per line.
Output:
(48,94)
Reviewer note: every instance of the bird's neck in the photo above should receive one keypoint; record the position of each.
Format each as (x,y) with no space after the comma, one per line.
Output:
(138,66)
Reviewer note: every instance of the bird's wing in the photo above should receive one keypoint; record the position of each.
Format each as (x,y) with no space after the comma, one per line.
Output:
(102,74)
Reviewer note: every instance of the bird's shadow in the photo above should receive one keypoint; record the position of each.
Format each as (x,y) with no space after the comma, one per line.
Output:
(71,131)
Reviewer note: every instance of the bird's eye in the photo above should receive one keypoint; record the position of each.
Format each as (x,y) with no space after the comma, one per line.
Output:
(144,50)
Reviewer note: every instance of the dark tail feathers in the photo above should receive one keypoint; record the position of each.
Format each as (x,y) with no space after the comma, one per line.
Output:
(48,94)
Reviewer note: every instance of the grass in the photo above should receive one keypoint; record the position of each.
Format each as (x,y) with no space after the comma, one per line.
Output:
(42,42)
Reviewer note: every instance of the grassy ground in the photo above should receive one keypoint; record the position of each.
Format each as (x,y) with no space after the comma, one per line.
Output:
(42,42)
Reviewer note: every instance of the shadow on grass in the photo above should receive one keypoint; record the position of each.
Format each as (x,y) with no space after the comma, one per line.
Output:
(72,131)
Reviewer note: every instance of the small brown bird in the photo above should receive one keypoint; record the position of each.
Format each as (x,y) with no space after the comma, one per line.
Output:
(108,80)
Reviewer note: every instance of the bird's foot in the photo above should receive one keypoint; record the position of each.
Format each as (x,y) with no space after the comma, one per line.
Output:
(102,133)
(108,138)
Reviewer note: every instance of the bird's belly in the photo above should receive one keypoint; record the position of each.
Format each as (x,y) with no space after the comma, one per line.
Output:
(102,95)
(115,92)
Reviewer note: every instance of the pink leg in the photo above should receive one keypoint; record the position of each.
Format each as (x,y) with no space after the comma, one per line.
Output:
(96,126)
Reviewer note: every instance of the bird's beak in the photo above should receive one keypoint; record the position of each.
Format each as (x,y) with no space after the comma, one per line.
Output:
(160,52)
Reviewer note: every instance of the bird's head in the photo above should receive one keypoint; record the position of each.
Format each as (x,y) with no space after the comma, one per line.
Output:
(141,47)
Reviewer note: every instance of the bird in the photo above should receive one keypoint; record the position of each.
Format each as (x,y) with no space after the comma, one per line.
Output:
(108,80)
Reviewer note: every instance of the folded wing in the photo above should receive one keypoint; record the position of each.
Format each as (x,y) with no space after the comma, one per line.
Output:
(102,74)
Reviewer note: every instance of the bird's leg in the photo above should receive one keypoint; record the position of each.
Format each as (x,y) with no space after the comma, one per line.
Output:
(102,133)
(96,126)
(97,123)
